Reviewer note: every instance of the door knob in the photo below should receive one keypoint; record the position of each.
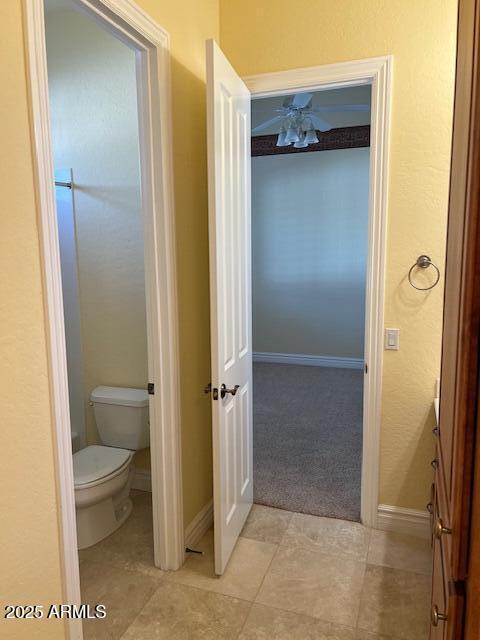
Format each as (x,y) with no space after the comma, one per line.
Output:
(440,529)
(224,390)
(436,617)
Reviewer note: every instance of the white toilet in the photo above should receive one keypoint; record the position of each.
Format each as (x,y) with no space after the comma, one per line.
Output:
(103,474)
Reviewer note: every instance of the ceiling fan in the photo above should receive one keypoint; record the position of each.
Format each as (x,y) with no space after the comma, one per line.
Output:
(299,120)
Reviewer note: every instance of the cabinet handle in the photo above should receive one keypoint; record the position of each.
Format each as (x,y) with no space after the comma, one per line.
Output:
(434,463)
(439,529)
(436,616)
(429,508)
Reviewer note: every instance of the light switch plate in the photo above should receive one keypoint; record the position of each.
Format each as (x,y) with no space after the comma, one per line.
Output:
(392,339)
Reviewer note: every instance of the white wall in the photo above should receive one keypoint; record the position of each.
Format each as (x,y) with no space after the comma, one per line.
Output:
(309,238)
(95,132)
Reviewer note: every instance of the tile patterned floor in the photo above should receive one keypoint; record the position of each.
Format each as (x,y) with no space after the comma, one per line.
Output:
(291,577)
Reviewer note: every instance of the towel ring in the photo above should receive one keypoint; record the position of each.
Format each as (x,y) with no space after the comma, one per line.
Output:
(423,262)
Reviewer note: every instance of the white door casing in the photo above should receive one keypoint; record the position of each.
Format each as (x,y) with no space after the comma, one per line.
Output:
(228,134)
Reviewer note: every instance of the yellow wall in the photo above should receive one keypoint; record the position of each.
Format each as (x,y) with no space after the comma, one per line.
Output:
(260,36)
(29,542)
(29,539)
(190,23)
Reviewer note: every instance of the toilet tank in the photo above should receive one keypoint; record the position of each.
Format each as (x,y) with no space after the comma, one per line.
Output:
(121,416)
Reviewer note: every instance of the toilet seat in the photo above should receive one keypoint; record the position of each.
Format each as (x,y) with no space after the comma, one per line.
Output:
(95,463)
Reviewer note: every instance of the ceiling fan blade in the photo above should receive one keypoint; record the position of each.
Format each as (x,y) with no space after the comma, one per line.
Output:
(265,125)
(299,100)
(320,123)
(341,107)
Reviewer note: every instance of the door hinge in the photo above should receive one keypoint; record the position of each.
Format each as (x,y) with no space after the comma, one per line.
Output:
(151,388)
(214,391)
(366,367)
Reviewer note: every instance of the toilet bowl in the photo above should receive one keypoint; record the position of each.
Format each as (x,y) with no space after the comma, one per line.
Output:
(102,480)
(103,474)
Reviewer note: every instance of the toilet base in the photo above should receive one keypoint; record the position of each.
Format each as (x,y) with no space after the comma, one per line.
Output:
(97,521)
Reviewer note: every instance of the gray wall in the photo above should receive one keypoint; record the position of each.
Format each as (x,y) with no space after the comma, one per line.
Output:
(309,237)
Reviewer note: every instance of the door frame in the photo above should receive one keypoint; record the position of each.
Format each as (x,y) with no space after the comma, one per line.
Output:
(135,28)
(376,72)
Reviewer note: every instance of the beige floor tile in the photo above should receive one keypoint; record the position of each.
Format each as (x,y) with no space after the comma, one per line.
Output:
(311,582)
(395,603)
(131,546)
(243,575)
(400,551)
(366,635)
(82,555)
(335,537)
(266,623)
(266,524)
(123,592)
(179,612)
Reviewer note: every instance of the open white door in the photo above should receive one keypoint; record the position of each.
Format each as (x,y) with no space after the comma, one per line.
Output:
(228,133)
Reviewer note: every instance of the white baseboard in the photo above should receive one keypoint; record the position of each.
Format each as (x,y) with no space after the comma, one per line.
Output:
(199,526)
(400,520)
(311,361)
(142,480)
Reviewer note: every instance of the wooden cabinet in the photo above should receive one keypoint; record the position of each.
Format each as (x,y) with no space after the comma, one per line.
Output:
(439,594)
(455,505)
(446,614)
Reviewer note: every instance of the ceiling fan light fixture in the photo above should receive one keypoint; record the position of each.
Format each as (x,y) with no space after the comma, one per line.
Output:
(301,142)
(292,134)
(311,136)
(281,140)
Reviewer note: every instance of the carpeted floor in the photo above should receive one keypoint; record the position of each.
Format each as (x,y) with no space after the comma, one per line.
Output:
(307,449)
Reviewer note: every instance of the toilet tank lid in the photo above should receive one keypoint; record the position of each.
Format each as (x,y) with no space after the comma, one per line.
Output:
(120,395)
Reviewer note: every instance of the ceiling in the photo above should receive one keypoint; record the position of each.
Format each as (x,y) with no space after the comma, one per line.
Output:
(264,108)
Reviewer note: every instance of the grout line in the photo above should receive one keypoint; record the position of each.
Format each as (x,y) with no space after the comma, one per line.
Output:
(357,618)
(287,528)
(265,574)
(216,593)
(140,612)
(245,621)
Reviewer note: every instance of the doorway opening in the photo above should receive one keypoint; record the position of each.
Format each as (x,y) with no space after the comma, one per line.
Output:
(138,194)
(95,134)
(310,213)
